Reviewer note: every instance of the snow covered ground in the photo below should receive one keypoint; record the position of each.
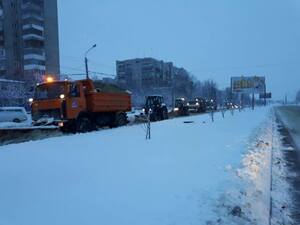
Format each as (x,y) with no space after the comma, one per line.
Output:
(188,173)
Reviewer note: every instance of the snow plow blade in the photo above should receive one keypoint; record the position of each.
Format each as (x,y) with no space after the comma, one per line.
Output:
(24,134)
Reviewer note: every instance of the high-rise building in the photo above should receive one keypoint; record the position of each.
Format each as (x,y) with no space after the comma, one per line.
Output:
(29,45)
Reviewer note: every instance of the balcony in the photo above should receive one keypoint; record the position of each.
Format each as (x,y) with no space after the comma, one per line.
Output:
(35,56)
(32,21)
(32,6)
(32,15)
(36,51)
(27,37)
(34,67)
(33,26)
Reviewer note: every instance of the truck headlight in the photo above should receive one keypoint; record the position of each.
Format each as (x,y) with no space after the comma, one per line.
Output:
(62,96)
(30,100)
(176,109)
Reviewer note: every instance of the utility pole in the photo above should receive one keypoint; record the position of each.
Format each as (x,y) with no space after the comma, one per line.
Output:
(86,68)
(242,100)
(86,61)
(253,100)
(265,99)
(285,99)
(148,127)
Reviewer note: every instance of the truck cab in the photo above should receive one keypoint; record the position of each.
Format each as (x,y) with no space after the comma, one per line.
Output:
(55,102)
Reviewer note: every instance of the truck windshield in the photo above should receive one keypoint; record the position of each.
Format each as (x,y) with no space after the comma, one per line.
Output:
(49,91)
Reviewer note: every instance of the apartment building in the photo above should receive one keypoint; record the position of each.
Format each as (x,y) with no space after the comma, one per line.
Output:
(146,76)
(29,45)
(144,73)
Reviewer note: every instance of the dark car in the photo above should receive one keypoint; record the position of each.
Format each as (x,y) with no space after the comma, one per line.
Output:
(181,107)
(197,105)
(211,105)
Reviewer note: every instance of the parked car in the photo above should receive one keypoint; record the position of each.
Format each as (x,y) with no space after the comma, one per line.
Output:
(13,114)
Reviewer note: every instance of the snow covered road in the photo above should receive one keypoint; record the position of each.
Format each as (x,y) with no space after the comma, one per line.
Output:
(116,177)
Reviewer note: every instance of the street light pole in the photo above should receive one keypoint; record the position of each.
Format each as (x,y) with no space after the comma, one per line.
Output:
(86,68)
(86,61)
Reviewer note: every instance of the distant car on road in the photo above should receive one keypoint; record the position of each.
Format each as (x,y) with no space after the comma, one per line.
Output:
(181,107)
(211,105)
(13,114)
(197,105)
(228,105)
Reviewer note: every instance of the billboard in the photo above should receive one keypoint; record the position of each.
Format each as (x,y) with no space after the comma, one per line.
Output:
(253,84)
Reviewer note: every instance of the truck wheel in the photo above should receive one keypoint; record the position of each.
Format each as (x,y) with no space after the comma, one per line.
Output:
(153,117)
(118,120)
(187,112)
(121,120)
(83,125)
(165,115)
(69,127)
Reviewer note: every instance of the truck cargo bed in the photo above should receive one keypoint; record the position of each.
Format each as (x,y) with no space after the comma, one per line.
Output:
(108,102)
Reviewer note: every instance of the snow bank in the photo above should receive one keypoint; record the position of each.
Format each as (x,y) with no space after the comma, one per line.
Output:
(282,198)
(257,196)
(247,200)
(116,177)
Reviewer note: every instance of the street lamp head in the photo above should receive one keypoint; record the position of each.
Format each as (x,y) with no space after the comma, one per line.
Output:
(86,60)
(94,46)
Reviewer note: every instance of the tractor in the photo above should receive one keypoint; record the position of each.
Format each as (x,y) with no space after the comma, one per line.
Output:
(156,108)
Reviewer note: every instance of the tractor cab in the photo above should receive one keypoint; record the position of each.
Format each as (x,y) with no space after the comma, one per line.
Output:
(156,108)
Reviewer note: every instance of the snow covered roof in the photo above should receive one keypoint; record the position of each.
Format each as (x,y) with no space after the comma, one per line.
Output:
(11,108)
(11,81)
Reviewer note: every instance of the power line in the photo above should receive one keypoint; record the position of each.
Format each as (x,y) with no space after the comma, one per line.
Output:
(82,70)
(92,61)
(93,72)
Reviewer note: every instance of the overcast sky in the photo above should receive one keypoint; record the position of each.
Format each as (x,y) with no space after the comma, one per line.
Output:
(212,39)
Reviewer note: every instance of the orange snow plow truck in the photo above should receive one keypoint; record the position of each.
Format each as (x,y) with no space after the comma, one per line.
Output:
(80,106)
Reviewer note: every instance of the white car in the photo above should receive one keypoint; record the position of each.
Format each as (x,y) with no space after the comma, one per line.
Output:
(13,114)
